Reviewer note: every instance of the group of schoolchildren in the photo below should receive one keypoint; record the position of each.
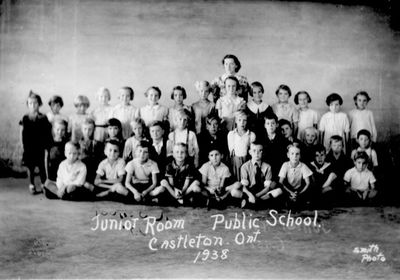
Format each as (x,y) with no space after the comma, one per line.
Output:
(228,148)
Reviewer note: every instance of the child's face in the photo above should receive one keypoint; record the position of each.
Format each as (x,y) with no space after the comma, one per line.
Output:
(286,130)
(178,97)
(204,91)
(337,146)
(294,155)
(257,95)
(214,157)
(104,98)
(360,164)
(143,154)
(87,131)
(33,105)
(303,100)
(179,154)
(230,66)
(212,127)
(310,137)
(58,131)
(363,141)
(256,152)
(111,151)
(156,132)
(81,108)
(241,122)
(153,96)
(361,102)
(112,131)
(270,126)
(181,121)
(320,157)
(71,153)
(124,96)
(231,87)
(137,129)
(334,106)
(283,96)
(55,108)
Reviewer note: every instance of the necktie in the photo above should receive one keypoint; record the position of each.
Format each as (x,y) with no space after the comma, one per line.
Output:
(258,175)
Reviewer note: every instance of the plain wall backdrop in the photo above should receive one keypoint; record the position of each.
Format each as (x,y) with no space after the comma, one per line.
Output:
(75,47)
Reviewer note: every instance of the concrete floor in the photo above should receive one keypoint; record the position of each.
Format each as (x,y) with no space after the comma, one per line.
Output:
(41,238)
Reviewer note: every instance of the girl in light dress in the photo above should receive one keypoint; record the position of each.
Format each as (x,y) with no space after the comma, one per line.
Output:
(203,107)
(124,111)
(101,114)
(307,117)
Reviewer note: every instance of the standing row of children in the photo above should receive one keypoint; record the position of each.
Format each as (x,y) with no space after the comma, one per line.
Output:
(224,149)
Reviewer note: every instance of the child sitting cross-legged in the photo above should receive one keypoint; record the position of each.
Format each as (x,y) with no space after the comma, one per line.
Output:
(180,181)
(360,182)
(110,172)
(256,179)
(142,175)
(294,177)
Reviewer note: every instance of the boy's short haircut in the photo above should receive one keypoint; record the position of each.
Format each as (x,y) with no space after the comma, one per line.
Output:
(182,89)
(144,144)
(181,144)
(240,113)
(293,145)
(283,122)
(157,89)
(285,88)
(105,90)
(184,112)
(89,121)
(138,121)
(73,144)
(114,122)
(296,97)
(362,155)
(364,93)
(60,121)
(271,116)
(334,97)
(233,78)
(336,138)
(319,148)
(81,99)
(235,59)
(131,92)
(211,117)
(313,129)
(214,148)
(197,84)
(157,123)
(36,96)
(257,143)
(256,84)
(364,132)
(56,99)
(112,142)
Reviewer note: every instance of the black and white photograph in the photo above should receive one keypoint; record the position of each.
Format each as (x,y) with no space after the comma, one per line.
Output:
(204,139)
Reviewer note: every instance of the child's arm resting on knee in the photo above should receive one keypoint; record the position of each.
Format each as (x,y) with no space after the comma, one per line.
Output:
(154,180)
(128,185)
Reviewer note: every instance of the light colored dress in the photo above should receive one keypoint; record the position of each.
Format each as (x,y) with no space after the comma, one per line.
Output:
(334,124)
(201,110)
(286,111)
(100,116)
(307,118)
(220,82)
(75,126)
(125,114)
(362,119)
(150,113)
(227,106)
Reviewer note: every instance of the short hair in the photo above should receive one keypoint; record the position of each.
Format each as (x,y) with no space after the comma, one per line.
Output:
(319,148)
(197,85)
(333,97)
(131,92)
(283,122)
(257,143)
(296,97)
(233,78)
(81,99)
(138,121)
(240,113)
(364,132)
(271,116)
(285,88)
(364,93)
(362,155)
(156,123)
(60,121)
(89,121)
(336,138)
(214,147)
(182,145)
(157,89)
(183,112)
(56,99)
(182,89)
(112,142)
(235,59)
(144,144)
(293,145)
(73,144)
(256,84)
(211,117)
(114,122)
(33,95)
(104,90)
